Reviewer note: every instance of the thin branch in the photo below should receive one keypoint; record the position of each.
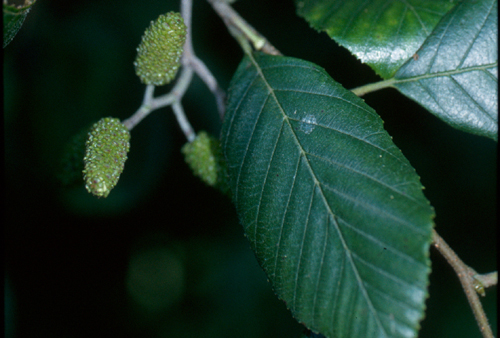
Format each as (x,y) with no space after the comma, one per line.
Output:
(190,60)
(150,103)
(237,26)
(143,110)
(183,121)
(371,87)
(466,275)
(204,73)
(177,92)
(186,12)
(190,65)
(235,22)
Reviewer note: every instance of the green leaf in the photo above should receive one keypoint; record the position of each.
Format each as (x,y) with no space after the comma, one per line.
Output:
(333,210)
(383,34)
(13,18)
(456,74)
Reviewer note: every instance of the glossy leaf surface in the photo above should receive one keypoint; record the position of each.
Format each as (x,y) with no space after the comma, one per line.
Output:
(333,210)
(456,73)
(383,34)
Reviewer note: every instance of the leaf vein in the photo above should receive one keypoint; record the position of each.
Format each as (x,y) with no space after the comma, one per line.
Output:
(229,130)
(382,245)
(391,298)
(419,18)
(339,282)
(284,216)
(320,270)
(297,269)
(469,48)
(367,176)
(353,18)
(445,73)
(388,275)
(265,179)
(326,95)
(373,207)
(466,94)
(438,45)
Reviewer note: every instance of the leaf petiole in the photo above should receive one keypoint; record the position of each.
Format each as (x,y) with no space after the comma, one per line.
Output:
(371,87)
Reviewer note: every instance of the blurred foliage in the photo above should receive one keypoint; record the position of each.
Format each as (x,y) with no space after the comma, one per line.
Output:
(71,258)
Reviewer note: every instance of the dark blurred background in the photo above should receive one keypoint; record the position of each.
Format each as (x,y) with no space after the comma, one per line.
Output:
(164,255)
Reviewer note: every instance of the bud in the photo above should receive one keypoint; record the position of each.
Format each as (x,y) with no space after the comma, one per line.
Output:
(105,155)
(160,51)
(204,157)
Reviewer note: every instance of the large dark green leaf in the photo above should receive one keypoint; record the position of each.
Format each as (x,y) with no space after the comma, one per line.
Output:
(456,74)
(332,209)
(381,33)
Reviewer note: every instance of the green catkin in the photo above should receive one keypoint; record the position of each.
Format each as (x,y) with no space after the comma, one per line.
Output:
(204,157)
(160,51)
(106,151)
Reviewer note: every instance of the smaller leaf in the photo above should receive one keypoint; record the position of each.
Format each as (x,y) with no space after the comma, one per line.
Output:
(13,18)
(383,34)
(456,73)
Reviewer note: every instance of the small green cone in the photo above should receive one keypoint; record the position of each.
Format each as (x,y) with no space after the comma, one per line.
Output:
(106,152)
(160,51)
(204,157)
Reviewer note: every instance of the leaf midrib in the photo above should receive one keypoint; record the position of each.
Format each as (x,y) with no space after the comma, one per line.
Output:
(445,73)
(318,186)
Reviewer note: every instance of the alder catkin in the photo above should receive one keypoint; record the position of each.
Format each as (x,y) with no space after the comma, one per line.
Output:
(106,151)
(204,157)
(160,51)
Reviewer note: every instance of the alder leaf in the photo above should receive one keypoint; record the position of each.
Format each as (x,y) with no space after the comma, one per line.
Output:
(383,34)
(456,73)
(333,210)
